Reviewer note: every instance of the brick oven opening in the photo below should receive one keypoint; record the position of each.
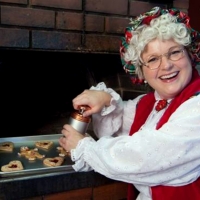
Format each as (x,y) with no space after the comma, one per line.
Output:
(37,87)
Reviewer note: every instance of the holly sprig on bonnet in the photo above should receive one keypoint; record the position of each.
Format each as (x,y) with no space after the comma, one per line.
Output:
(146,18)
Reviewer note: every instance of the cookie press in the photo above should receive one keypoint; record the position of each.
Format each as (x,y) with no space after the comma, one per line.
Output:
(78,121)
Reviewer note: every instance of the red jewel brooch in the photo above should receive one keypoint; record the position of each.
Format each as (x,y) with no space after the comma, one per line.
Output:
(161,104)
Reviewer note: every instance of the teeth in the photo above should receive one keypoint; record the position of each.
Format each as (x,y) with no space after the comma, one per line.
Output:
(169,76)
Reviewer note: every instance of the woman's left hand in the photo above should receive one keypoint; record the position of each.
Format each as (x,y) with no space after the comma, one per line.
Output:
(70,138)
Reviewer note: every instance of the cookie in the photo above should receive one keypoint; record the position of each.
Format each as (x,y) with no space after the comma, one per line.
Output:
(53,162)
(14,165)
(6,146)
(30,154)
(63,152)
(44,144)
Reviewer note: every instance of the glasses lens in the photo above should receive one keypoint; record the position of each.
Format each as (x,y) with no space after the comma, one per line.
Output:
(154,62)
(176,54)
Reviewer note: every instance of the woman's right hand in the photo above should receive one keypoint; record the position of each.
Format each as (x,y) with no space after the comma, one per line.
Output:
(95,99)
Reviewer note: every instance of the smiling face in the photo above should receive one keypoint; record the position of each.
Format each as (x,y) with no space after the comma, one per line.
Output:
(172,76)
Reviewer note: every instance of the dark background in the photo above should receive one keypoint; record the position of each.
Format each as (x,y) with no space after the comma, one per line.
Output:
(38,87)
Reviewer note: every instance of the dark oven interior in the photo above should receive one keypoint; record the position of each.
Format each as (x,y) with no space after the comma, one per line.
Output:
(37,87)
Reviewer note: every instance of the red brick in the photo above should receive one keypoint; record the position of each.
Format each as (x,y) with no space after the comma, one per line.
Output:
(55,40)
(105,6)
(14,38)
(27,17)
(69,21)
(45,18)
(116,24)
(139,7)
(64,4)
(15,1)
(94,23)
(96,43)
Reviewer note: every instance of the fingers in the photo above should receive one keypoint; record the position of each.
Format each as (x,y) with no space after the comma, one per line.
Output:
(70,138)
(62,141)
(95,99)
(66,131)
(81,99)
(69,132)
(88,113)
(63,144)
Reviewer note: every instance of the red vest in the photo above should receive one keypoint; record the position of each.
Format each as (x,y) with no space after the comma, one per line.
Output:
(144,107)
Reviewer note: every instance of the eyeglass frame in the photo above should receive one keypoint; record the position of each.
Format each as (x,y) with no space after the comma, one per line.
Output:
(182,49)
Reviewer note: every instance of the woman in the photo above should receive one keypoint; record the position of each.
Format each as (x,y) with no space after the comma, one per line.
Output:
(151,142)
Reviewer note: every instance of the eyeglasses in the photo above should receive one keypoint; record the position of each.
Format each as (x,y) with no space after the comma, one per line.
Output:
(173,54)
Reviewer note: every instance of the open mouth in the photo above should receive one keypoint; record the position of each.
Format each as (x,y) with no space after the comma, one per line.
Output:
(169,76)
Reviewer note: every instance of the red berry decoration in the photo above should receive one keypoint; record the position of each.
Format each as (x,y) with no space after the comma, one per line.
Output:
(161,104)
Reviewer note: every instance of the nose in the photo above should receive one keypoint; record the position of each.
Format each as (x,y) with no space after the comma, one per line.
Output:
(165,62)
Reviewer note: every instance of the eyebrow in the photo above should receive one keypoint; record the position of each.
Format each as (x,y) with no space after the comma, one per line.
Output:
(156,54)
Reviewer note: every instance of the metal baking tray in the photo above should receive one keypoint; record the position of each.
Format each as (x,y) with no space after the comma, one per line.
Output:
(36,166)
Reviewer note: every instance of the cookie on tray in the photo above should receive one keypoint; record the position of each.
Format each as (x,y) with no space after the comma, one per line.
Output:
(53,162)
(6,146)
(45,144)
(30,154)
(63,152)
(14,165)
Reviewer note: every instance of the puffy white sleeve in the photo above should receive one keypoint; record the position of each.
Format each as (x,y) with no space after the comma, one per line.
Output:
(168,156)
(115,119)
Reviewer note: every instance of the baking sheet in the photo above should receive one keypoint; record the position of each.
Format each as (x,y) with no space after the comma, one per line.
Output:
(36,166)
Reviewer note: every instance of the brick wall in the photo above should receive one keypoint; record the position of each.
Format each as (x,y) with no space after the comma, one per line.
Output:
(69,25)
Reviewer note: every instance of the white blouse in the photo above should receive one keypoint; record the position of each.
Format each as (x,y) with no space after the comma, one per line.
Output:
(169,156)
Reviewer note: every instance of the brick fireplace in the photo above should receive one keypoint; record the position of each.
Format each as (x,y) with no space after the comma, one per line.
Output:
(51,50)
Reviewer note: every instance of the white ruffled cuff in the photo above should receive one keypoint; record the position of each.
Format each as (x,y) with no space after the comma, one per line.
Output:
(114,100)
(77,155)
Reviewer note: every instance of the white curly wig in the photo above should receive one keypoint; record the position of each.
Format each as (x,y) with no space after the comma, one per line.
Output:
(164,27)
(163,24)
